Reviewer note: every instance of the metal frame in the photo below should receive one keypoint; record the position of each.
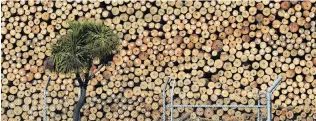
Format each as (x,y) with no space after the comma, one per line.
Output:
(45,101)
(171,106)
(268,96)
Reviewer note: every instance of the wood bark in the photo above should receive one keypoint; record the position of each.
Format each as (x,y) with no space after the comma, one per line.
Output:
(80,103)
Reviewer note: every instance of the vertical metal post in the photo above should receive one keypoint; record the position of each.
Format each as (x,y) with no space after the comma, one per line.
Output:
(171,100)
(258,110)
(268,106)
(164,99)
(45,101)
(164,103)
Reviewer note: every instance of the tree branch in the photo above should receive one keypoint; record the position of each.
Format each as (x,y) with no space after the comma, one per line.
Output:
(89,75)
(98,70)
(79,79)
(86,81)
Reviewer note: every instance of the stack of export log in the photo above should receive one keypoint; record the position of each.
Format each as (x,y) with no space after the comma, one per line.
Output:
(219,53)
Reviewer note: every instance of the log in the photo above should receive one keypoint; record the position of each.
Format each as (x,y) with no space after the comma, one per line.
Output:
(219,52)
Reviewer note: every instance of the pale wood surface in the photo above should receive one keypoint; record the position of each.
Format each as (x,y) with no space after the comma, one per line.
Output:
(222,52)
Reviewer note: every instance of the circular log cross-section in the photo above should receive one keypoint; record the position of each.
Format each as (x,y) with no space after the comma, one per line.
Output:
(219,53)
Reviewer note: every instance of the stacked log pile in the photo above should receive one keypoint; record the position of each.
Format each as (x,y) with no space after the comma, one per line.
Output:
(219,52)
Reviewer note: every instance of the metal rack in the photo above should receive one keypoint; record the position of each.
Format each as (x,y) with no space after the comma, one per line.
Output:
(258,106)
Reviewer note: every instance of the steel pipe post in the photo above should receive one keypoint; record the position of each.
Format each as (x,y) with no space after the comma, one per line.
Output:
(171,101)
(45,101)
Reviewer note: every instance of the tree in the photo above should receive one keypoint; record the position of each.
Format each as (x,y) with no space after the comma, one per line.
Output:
(75,52)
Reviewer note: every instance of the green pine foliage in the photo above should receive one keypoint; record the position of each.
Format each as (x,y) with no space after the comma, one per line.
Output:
(84,41)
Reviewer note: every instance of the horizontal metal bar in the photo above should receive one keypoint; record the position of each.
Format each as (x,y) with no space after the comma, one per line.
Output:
(216,106)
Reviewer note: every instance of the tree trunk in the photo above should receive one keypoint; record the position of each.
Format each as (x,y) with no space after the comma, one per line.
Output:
(81,102)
